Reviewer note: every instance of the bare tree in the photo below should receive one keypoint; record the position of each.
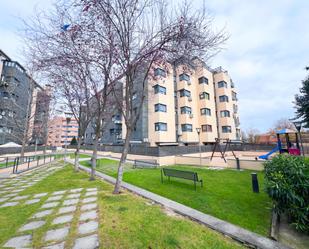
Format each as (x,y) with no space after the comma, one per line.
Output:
(252,135)
(145,34)
(76,61)
(280,124)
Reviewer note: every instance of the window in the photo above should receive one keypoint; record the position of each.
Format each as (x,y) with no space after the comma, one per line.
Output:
(234,96)
(5,95)
(226,129)
(235,108)
(224,114)
(160,126)
(223,98)
(134,96)
(111,131)
(116,117)
(204,95)
(206,111)
(159,89)
(185,110)
(203,80)
(206,128)
(159,72)
(222,84)
(6,129)
(184,92)
(186,127)
(184,77)
(160,108)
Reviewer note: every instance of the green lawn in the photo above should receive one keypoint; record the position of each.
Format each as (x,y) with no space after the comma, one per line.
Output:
(227,194)
(3,165)
(80,156)
(126,220)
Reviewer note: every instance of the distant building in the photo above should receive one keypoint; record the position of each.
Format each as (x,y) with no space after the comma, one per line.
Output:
(19,105)
(180,97)
(266,139)
(60,133)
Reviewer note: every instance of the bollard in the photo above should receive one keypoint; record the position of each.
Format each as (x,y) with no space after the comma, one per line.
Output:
(255,183)
(237,163)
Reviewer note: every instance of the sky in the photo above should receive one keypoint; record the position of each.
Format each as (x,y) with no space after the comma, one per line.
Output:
(265,55)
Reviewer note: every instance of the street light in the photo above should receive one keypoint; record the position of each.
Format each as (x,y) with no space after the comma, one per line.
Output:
(68,117)
(198,130)
(298,125)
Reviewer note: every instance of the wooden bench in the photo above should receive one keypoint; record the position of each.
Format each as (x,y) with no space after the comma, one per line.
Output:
(145,164)
(188,175)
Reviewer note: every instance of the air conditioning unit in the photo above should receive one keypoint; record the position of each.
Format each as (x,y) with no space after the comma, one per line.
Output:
(189,83)
(190,99)
(163,81)
(191,115)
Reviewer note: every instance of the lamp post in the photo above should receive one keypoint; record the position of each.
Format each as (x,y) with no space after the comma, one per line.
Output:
(298,125)
(68,117)
(198,130)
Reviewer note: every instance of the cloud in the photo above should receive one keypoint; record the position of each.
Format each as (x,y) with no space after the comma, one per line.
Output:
(265,55)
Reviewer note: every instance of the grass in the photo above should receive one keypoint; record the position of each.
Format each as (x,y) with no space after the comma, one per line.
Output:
(126,220)
(80,156)
(3,165)
(227,194)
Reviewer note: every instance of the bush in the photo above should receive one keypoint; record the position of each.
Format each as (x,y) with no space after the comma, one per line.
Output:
(287,183)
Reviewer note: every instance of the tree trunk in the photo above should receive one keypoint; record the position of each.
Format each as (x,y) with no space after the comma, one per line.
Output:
(76,163)
(94,158)
(122,162)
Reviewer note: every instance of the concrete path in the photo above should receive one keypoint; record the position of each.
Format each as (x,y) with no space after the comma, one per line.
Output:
(242,235)
(72,211)
(10,189)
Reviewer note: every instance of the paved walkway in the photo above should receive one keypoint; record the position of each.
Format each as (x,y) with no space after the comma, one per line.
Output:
(71,211)
(233,231)
(10,188)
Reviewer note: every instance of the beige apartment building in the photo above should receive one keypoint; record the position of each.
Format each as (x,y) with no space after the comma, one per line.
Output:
(60,132)
(180,97)
(186,96)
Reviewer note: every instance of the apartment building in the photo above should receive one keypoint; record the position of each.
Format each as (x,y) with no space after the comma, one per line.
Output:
(181,97)
(61,132)
(19,103)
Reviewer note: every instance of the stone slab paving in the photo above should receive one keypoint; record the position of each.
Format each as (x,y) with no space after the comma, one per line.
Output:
(57,234)
(240,234)
(32,225)
(19,242)
(88,242)
(56,216)
(62,219)
(55,246)
(9,194)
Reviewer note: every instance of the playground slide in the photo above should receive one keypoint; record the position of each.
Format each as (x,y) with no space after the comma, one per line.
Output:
(265,157)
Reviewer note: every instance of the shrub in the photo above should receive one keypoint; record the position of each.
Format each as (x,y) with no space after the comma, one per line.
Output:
(287,183)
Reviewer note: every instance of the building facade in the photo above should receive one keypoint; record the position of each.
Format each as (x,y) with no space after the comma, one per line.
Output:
(18,102)
(61,132)
(181,97)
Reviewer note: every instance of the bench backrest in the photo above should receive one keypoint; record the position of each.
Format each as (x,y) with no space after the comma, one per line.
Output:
(181,174)
(146,163)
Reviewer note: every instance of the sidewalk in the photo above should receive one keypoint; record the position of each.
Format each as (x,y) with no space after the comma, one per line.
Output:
(237,233)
